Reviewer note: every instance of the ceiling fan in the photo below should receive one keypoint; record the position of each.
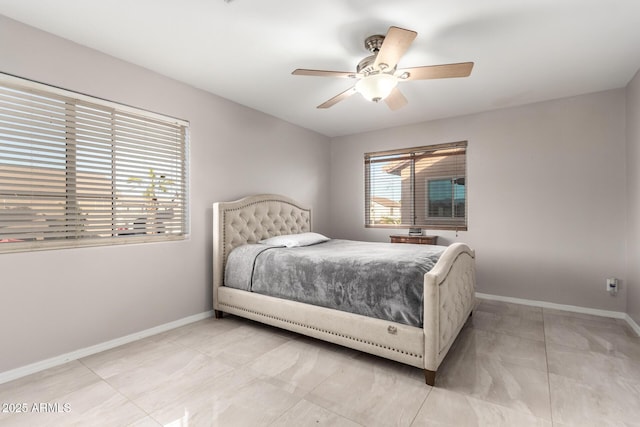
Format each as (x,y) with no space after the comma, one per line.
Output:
(378,74)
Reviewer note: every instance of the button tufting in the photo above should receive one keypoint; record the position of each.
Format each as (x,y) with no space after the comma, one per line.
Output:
(261,220)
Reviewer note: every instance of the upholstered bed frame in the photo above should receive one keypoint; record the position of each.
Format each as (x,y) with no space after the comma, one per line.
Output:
(448,290)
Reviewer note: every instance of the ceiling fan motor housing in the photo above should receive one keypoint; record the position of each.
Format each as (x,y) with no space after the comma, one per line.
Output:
(373,43)
(366,65)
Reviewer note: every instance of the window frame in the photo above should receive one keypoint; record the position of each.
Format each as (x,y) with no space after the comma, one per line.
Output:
(73,155)
(411,156)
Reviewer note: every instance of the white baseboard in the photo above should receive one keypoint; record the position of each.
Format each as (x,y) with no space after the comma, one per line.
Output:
(632,323)
(573,308)
(88,351)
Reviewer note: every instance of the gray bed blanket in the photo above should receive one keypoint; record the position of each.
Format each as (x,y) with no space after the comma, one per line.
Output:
(380,280)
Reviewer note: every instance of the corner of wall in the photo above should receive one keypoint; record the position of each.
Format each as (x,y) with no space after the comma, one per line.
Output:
(633,197)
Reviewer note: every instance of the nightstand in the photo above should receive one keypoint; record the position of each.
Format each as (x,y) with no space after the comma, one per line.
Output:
(419,240)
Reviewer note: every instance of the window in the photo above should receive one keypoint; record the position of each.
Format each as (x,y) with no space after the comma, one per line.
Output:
(81,171)
(446,197)
(421,187)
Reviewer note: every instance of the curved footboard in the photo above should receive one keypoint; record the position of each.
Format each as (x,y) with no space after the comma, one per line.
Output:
(449,294)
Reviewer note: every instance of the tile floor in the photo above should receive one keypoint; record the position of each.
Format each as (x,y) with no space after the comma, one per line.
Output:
(512,365)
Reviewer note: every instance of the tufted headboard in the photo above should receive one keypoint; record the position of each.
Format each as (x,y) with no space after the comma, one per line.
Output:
(252,219)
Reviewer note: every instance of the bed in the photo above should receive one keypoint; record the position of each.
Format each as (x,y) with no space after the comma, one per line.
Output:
(447,300)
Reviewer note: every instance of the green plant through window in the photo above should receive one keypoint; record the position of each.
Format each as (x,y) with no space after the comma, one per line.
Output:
(154,183)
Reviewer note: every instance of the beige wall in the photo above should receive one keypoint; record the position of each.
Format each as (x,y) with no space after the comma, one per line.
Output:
(633,199)
(546,195)
(54,302)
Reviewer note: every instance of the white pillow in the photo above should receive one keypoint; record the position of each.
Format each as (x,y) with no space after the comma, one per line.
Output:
(295,240)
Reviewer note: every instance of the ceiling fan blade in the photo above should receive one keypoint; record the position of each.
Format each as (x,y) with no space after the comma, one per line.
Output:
(445,71)
(344,95)
(396,99)
(395,44)
(323,73)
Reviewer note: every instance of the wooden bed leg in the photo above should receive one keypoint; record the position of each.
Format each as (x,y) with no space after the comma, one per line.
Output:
(218,314)
(430,377)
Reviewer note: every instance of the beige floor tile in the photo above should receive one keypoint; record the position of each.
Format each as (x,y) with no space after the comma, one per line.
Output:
(145,422)
(576,403)
(238,398)
(590,366)
(596,323)
(584,335)
(128,357)
(527,326)
(202,330)
(509,309)
(306,414)
(507,348)
(47,385)
(180,375)
(444,408)
(93,405)
(100,404)
(488,378)
(373,392)
(200,400)
(300,365)
(242,345)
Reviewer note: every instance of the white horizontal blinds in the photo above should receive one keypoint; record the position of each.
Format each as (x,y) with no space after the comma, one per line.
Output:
(150,176)
(387,188)
(76,172)
(440,187)
(33,134)
(421,186)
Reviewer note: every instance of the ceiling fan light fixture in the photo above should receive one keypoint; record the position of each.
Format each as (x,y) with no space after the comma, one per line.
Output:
(376,87)
(378,74)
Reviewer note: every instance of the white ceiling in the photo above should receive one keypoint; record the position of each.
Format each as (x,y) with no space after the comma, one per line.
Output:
(244,50)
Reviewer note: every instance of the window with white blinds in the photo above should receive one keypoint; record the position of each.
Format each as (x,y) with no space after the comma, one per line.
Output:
(417,187)
(81,171)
